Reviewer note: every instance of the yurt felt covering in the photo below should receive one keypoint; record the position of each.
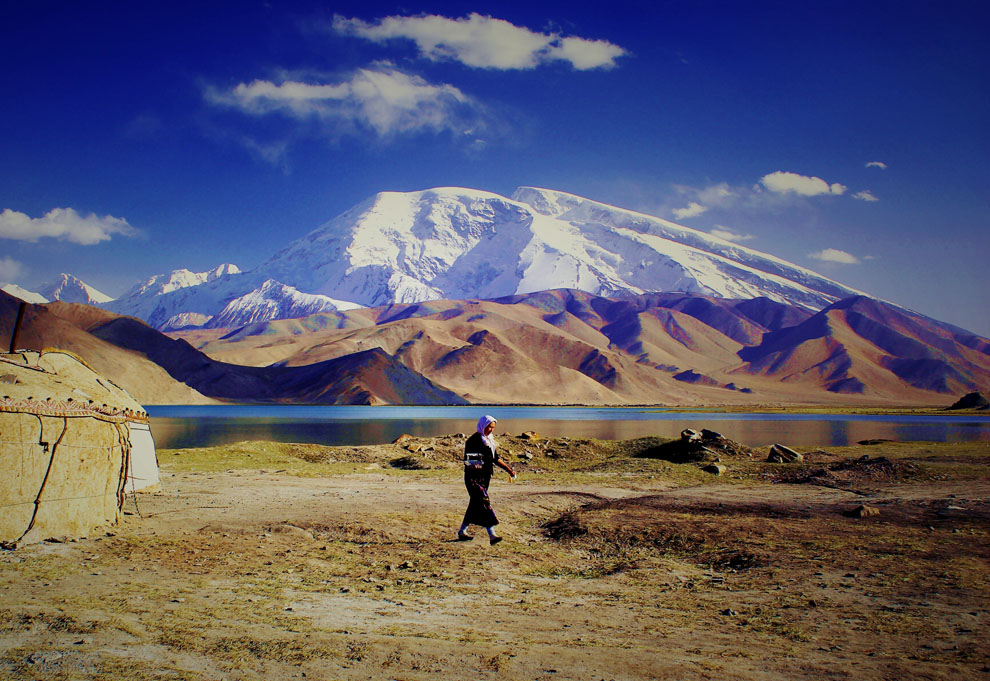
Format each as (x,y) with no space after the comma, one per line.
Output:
(64,447)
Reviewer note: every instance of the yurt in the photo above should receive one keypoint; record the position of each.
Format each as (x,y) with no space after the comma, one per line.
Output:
(72,444)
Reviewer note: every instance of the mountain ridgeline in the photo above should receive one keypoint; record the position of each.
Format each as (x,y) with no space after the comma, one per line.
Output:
(457,244)
(451,295)
(549,347)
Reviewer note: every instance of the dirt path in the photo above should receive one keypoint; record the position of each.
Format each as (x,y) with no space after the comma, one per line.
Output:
(255,575)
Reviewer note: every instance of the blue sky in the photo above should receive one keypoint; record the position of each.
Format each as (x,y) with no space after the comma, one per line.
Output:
(847,137)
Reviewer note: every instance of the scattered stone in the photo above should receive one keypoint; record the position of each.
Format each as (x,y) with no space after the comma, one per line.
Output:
(694,446)
(729,612)
(402,438)
(863,511)
(531,435)
(781,454)
(714,469)
(414,447)
(689,435)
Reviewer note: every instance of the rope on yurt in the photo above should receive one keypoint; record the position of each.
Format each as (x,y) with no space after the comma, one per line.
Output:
(124,440)
(51,461)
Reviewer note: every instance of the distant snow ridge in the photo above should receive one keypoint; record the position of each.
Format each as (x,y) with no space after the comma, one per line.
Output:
(185,320)
(23,294)
(176,279)
(164,298)
(464,243)
(274,301)
(70,289)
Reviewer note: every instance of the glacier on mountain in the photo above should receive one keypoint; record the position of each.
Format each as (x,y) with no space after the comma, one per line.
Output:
(465,243)
(272,301)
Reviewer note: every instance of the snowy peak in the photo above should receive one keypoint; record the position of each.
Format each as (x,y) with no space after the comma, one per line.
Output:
(176,279)
(70,289)
(547,201)
(721,253)
(274,300)
(23,294)
(458,243)
(182,292)
(395,247)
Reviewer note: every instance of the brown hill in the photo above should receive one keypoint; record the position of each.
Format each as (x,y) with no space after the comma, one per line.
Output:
(57,325)
(972,400)
(157,369)
(550,347)
(863,346)
(368,377)
(564,346)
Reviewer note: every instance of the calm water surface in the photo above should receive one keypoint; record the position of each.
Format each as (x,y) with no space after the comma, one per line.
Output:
(177,427)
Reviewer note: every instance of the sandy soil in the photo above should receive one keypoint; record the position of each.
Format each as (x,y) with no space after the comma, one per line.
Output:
(613,567)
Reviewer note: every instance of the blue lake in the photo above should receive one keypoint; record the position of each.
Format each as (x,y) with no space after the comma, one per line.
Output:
(177,427)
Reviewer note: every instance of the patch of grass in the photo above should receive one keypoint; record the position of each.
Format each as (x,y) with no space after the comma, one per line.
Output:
(287,650)
(307,460)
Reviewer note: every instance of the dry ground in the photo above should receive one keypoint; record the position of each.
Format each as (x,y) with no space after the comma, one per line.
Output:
(266,561)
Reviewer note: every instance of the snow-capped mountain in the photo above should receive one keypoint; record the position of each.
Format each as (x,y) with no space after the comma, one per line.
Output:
(23,294)
(274,301)
(176,279)
(185,320)
(70,289)
(459,243)
(463,243)
(198,295)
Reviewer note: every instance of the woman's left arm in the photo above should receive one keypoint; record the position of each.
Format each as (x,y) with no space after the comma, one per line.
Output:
(505,467)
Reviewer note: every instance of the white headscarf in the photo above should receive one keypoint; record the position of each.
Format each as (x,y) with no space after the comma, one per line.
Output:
(482,424)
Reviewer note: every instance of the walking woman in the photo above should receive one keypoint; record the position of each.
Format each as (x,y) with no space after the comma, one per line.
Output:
(480,459)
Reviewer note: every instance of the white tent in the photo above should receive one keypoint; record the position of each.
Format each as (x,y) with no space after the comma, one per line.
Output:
(142,466)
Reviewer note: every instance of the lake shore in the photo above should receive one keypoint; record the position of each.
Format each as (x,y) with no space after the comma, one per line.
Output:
(260,560)
(202,426)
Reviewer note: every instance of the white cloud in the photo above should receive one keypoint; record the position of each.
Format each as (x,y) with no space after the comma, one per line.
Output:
(380,98)
(62,223)
(586,54)
(10,269)
(702,199)
(727,234)
(865,195)
(691,210)
(791,183)
(835,255)
(877,164)
(484,42)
